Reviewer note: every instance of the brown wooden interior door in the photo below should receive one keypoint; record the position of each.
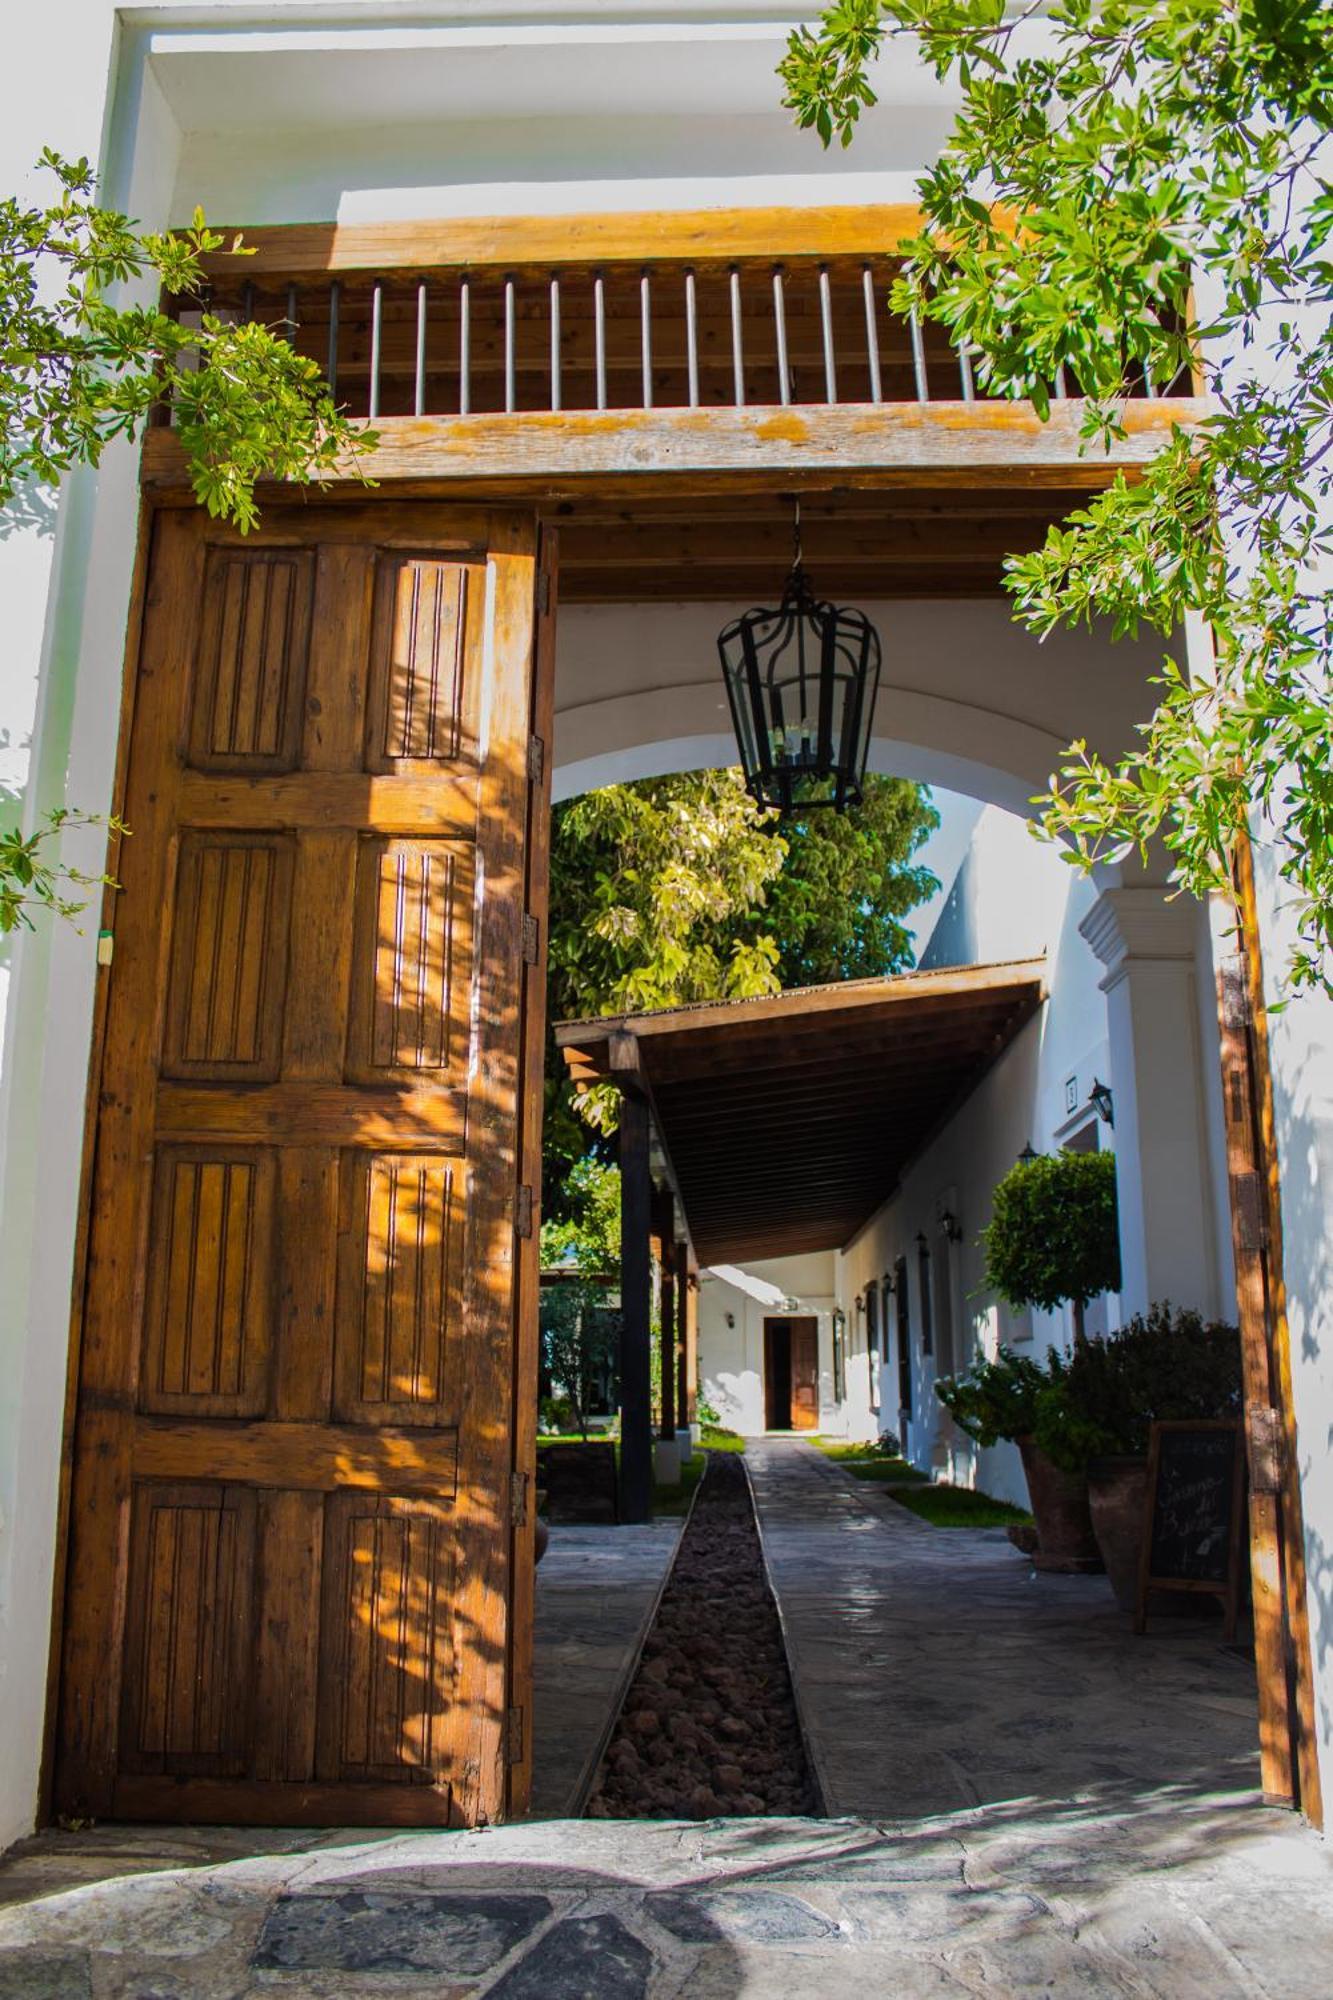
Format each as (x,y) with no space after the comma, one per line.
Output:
(291,1565)
(804,1375)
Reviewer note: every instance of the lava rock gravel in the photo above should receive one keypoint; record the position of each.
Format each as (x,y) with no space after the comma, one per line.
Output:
(709,1726)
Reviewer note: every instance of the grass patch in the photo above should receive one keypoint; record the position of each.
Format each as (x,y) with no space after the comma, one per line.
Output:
(675,1499)
(893,1471)
(958,1507)
(844,1453)
(717,1438)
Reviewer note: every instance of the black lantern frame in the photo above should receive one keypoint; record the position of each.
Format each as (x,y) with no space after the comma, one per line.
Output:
(802,681)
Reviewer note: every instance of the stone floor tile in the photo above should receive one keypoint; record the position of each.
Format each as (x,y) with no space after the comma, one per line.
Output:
(757,1916)
(45,1976)
(580,1958)
(936,1670)
(941,1917)
(369,1931)
(1278,1940)
(781,1975)
(596,1590)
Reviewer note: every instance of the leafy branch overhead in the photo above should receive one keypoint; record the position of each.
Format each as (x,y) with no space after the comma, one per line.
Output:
(1133,188)
(78,371)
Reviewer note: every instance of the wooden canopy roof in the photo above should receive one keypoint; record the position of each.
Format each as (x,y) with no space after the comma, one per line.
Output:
(786,1122)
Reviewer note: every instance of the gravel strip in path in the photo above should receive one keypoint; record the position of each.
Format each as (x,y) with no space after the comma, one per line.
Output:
(709,1726)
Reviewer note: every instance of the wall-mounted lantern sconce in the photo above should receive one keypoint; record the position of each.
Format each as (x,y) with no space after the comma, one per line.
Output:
(1102,1102)
(1028,1155)
(731,1320)
(888,1284)
(950,1226)
(922,1244)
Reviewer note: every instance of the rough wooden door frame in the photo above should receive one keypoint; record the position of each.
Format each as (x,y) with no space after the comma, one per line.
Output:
(1288,1738)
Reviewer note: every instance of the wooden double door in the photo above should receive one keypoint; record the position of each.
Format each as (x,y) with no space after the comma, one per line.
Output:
(299,1575)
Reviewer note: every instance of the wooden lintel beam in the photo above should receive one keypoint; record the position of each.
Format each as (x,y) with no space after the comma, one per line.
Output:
(514,242)
(945,444)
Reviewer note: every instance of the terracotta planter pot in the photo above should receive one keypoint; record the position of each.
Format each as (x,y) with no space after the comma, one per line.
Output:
(1060,1507)
(1118,1497)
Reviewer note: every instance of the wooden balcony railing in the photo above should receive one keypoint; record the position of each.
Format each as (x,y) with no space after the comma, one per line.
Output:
(750,344)
(651,332)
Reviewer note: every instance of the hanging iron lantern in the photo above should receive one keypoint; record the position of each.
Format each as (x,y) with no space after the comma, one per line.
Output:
(802,681)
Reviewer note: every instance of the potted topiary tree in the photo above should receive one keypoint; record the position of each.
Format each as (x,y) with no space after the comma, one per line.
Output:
(1053,1240)
(1094,1413)
(1000,1399)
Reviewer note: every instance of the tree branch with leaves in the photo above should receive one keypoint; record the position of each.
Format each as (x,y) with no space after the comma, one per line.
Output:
(78,372)
(1132,190)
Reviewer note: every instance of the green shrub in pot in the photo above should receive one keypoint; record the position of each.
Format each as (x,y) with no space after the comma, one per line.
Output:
(1166,1365)
(995,1399)
(1095,1411)
(1000,1399)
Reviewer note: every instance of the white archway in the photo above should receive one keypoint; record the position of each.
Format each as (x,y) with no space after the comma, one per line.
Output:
(967,699)
(970,702)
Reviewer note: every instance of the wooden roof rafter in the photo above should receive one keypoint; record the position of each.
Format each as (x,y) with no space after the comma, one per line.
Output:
(788,1121)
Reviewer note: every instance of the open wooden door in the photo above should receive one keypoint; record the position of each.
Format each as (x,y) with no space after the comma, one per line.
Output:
(804,1375)
(295,1522)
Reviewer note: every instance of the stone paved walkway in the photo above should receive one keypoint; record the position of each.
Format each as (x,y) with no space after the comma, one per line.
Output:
(937,1671)
(1068,1814)
(596,1589)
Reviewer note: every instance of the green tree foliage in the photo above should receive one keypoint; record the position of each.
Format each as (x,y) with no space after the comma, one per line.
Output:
(580,1337)
(579,1334)
(77,371)
(681,889)
(836,909)
(587,1237)
(33,878)
(1053,1236)
(1156,156)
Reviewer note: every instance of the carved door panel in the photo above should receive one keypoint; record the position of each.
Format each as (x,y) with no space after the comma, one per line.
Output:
(291,1562)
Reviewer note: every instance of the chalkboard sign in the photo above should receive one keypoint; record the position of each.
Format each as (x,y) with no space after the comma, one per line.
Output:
(1193,1534)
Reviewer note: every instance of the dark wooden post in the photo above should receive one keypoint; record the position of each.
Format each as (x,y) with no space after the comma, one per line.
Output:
(636,1424)
(667,1426)
(691,1347)
(683,1283)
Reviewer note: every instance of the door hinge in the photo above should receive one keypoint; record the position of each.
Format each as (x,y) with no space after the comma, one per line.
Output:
(543,592)
(518,1499)
(532,934)
(1251,1222)
(1263,1438)
(536,760)
(1236,1010)
(523,1212)
(513,1736)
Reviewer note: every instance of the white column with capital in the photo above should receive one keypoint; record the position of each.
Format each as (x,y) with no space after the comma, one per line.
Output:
(1167,1214)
